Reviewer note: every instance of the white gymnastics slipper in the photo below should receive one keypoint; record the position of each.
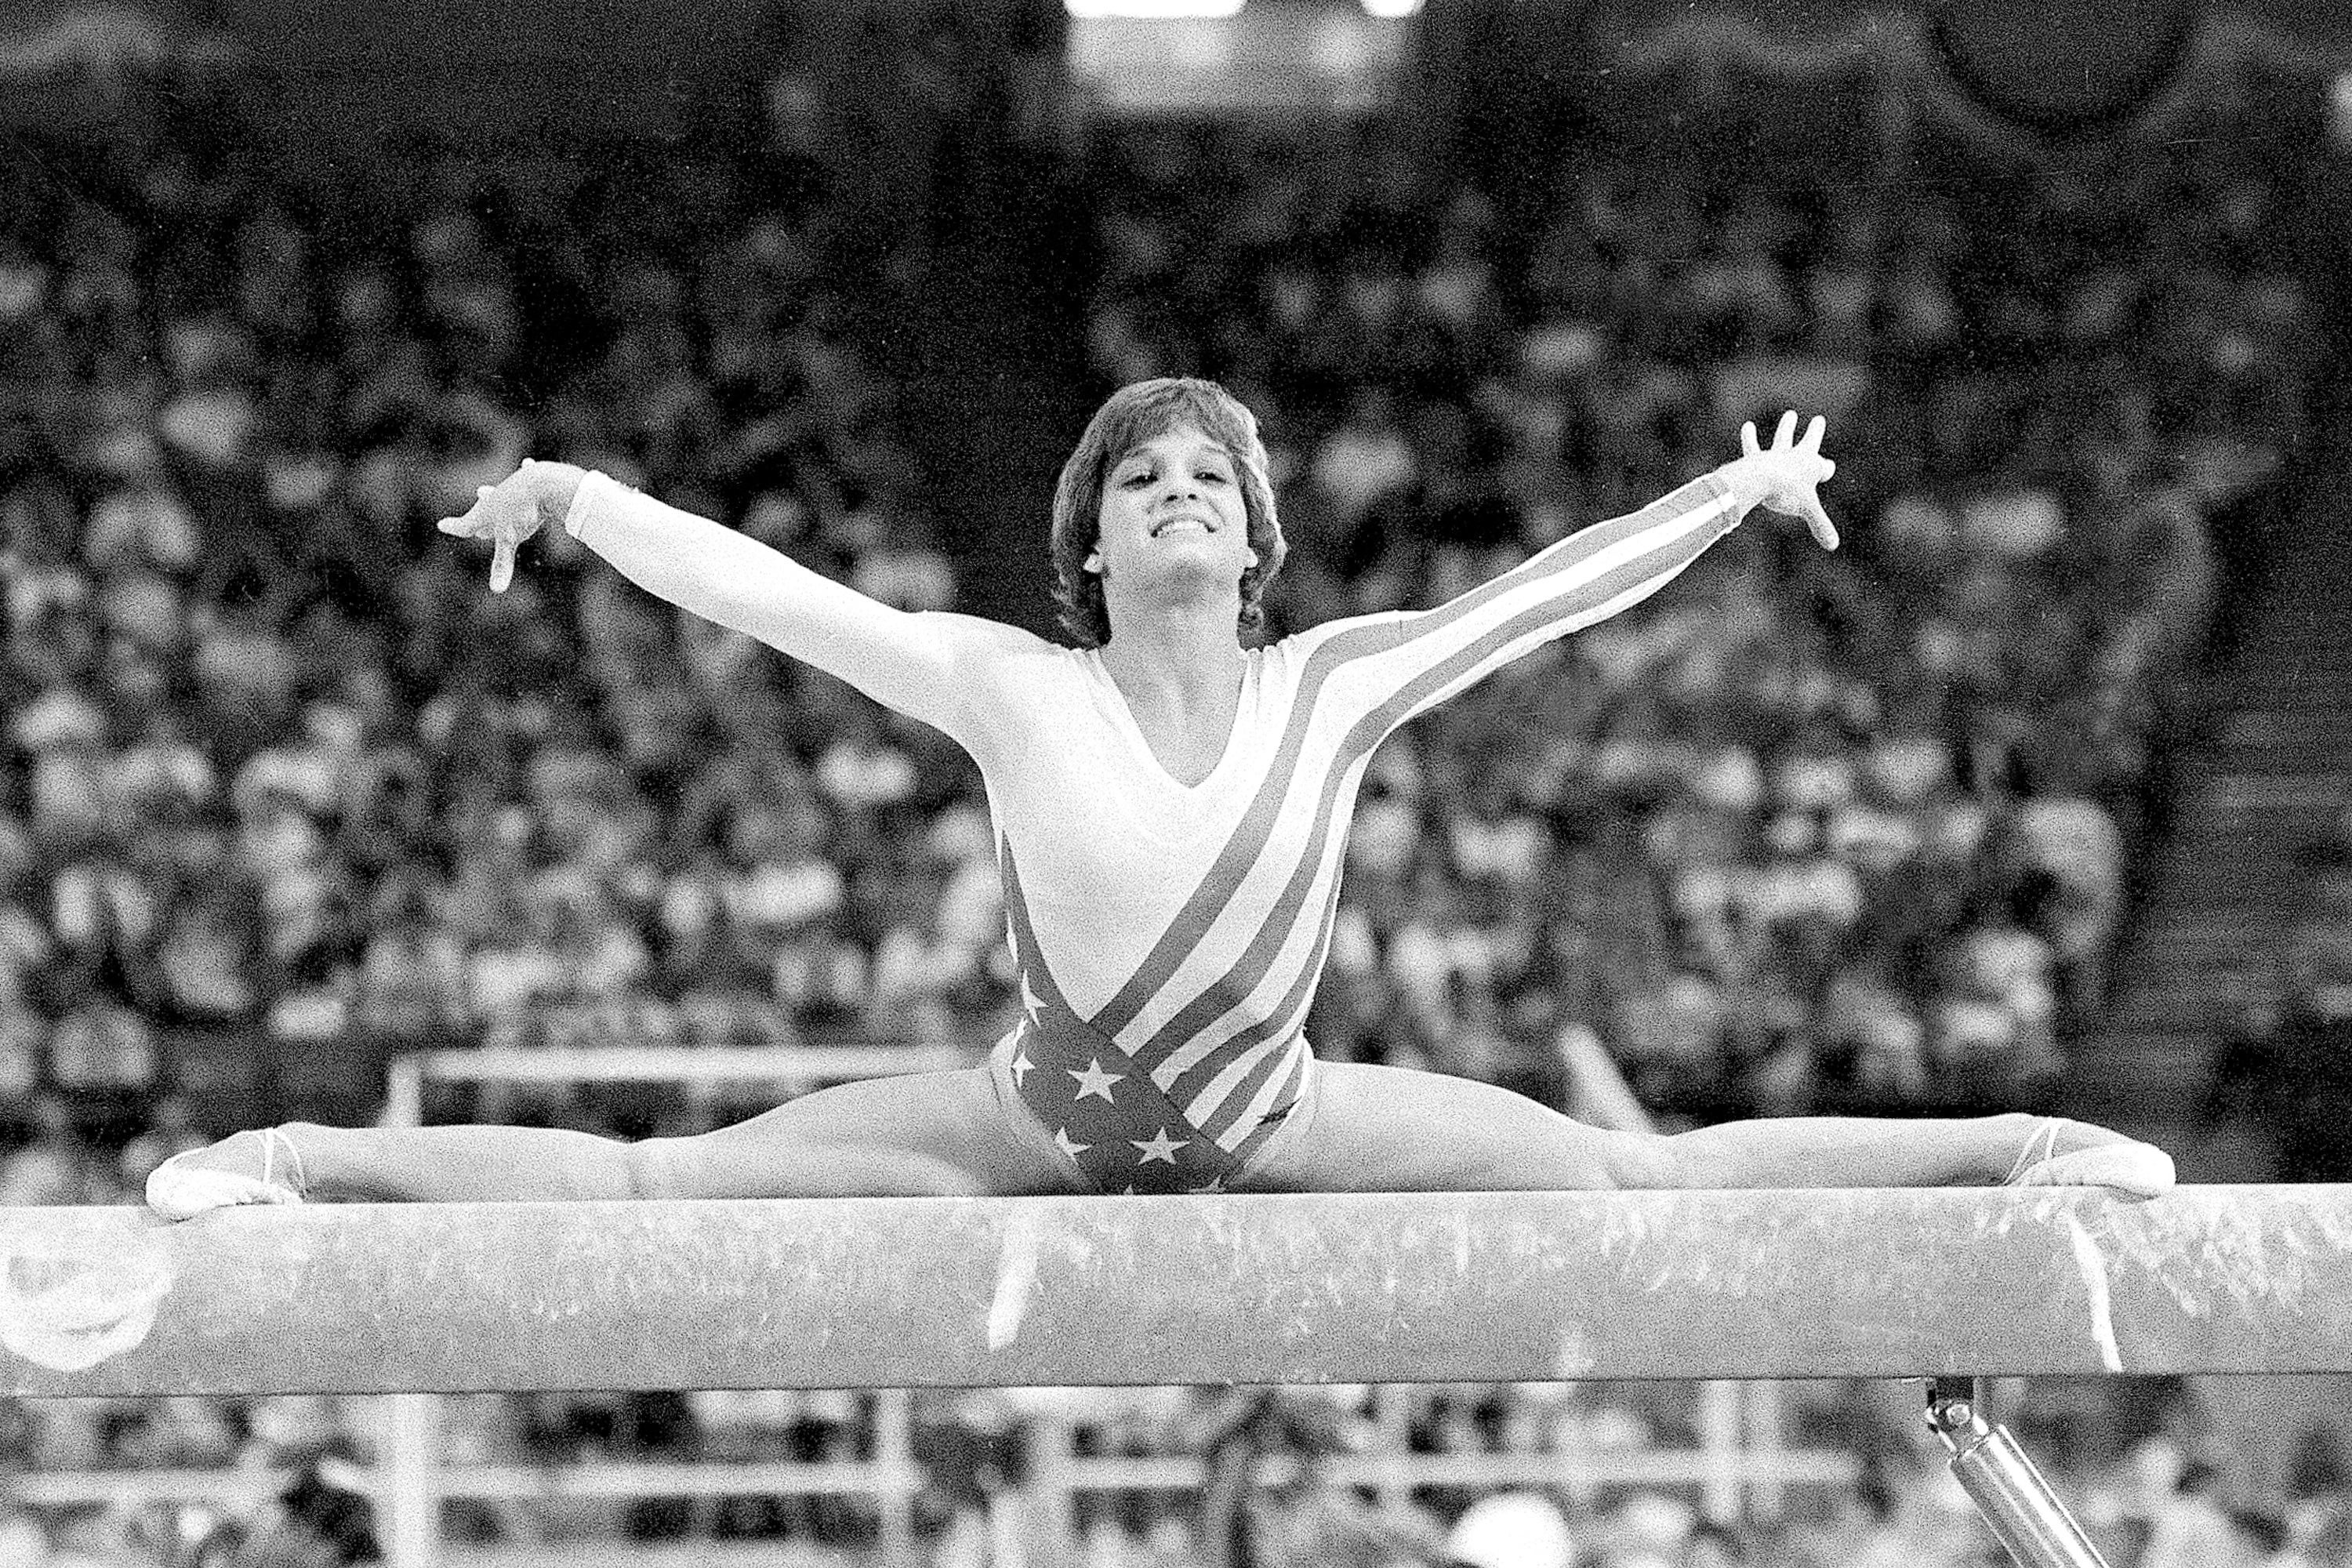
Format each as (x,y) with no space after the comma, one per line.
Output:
(2142,1170)
(177,1190)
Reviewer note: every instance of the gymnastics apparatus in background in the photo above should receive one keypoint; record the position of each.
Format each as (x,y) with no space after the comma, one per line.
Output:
(1949,1284)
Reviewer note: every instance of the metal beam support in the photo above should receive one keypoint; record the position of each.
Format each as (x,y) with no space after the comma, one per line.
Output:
(2019,1506)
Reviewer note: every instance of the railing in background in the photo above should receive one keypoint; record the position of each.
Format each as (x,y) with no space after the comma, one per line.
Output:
(416,1482)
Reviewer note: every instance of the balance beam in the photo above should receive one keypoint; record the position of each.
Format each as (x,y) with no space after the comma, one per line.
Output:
(965,1292)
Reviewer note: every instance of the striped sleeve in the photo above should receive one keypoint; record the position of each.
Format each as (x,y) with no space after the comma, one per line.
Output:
(1406,663)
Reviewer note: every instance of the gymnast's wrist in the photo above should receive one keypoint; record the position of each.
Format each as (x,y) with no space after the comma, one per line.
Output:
(1744,482)
(554,491)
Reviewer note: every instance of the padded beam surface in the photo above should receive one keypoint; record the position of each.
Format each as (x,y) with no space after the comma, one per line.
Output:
(966,1292)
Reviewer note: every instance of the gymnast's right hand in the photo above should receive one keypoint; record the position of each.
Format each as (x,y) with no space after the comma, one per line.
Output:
(535,495)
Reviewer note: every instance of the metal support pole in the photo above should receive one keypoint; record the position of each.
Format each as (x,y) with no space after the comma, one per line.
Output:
(1049,1489)
(1766,1425)
(403,1093)
(2017,1504)
(410,1462)
(1719,1435)
(894,1457)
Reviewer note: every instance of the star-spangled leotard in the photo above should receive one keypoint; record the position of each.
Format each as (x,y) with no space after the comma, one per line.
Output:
(1168,938)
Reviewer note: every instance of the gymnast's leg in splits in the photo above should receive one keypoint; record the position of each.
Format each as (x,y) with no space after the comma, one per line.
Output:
(916,1135)
(1363,1129)
(1378,1128)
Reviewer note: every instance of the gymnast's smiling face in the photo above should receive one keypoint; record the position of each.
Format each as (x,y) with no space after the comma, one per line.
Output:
(1173,526)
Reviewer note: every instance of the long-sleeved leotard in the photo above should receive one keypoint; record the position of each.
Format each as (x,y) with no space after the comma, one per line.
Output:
(1168,938)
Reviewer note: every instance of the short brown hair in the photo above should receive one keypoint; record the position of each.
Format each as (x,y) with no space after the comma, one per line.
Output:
(1129,418)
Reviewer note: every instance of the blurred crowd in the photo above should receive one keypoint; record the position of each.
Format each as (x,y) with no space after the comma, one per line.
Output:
(1852,831)
(2149,1503)
(280,770)
(2282,1078)
(1299,1477)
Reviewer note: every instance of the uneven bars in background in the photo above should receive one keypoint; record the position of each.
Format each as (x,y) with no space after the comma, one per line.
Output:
(956,1292)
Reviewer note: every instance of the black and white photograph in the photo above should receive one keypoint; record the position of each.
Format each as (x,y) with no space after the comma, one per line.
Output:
(1176,784)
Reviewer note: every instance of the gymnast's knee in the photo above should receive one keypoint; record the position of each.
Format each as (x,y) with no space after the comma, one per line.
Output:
(1648,1162)
(648,1170)
(702,1167)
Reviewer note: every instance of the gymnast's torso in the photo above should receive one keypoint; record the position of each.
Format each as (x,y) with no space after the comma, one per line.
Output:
(1168,937)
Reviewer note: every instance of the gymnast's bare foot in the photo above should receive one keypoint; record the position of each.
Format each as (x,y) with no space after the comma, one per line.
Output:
(255,1167)
(2063,1153)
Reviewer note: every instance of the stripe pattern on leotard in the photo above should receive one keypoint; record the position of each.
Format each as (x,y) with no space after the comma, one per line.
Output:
(1200,1053)
(1123,1129)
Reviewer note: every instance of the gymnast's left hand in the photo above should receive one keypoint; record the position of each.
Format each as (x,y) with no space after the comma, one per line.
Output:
(1784,477)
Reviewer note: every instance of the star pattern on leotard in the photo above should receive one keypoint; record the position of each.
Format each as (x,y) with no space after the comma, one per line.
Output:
(1159,1147)
(1094,1080)
(1101,1110)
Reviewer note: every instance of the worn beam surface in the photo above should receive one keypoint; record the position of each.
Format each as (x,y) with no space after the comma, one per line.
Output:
(949,1292)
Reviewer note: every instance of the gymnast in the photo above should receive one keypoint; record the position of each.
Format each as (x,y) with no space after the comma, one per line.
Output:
(1170,807)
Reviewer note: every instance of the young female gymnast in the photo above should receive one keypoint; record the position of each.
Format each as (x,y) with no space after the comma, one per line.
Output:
(1172,806)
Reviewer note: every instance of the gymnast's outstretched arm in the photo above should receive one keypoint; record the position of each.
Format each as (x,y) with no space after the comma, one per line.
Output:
(1418,658)
(918,664)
